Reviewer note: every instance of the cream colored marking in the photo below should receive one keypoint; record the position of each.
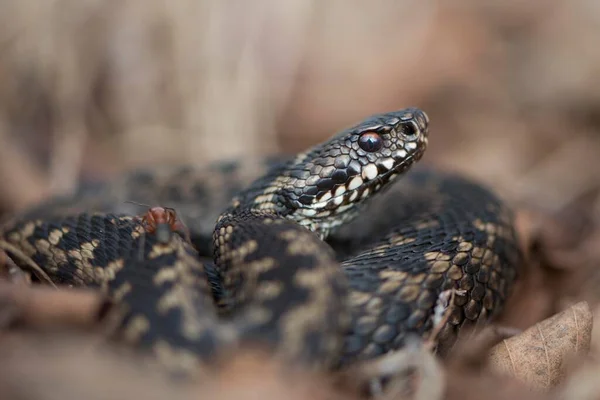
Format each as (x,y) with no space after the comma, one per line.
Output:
(428,224)
(378,250)
(112,268)
(432,255)
(409,293)
(175,359)
(298,322)
(375,305)
(99,274)
(388,163)
(389,286)
(353,196)
(159,250)
(338,200)
(400,240)
(477,252)
(54,236)
(355,183)
(180,297)
(300,243)
(321,204)
(418,278)
(400,153)
(121,291)
(87,249)
(19,238)
(411,145)
(358,299)
(258,315)
(137,232)
(262,265)
(264,198)
(165,275)
(393,275)
(324,197)
(340,191)
(440,266)
(240,252)
(369,172)
(464,246)
(269,290)
(44,248)
(136,327)
(309,212)
(91,245)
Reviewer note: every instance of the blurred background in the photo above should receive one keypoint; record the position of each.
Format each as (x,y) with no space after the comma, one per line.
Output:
(89,88)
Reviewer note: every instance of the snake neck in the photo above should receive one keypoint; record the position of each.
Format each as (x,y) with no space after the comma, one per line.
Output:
(269,198)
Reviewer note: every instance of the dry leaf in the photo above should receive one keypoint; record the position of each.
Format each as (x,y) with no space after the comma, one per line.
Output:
(538,356)
(41,306)
(65,366)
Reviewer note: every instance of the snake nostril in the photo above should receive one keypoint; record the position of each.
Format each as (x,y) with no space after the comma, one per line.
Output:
(410,129)
(370,142)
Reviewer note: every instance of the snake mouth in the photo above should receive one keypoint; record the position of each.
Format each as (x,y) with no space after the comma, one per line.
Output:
(357,190)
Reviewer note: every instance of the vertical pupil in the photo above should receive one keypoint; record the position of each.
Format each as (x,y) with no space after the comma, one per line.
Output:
(370,142)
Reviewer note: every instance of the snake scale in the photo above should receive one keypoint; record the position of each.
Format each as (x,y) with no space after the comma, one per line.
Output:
(325,258)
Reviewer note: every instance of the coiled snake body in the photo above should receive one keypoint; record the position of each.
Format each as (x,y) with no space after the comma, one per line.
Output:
(314,259)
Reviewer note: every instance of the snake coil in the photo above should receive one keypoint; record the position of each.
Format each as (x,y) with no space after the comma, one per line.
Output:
(324,258)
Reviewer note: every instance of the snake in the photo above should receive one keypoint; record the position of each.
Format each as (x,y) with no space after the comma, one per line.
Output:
(335,255)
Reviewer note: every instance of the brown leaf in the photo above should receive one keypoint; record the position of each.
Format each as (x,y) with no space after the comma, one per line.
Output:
(40,306)
(66,365)
(539,355)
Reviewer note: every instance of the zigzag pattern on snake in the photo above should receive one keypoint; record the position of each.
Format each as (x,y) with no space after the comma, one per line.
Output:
(325,258)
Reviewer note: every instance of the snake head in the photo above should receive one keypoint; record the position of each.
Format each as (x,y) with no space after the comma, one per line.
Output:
(325,186)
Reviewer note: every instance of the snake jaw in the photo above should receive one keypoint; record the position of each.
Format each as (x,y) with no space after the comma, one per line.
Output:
(326,186)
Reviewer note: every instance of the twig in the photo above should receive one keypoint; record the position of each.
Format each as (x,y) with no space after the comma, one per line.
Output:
(398,365)
(431,342)
(14,273)
(39,272)
(40,306)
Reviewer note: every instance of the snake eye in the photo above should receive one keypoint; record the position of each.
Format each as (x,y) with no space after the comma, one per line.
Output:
(370,142)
